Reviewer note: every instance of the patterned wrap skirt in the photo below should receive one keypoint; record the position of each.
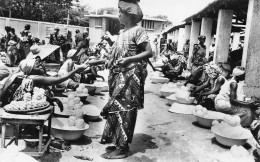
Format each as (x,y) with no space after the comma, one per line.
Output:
(126,90)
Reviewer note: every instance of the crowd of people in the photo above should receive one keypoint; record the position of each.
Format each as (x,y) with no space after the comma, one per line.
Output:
(216,86)
(126,58)
(126,62)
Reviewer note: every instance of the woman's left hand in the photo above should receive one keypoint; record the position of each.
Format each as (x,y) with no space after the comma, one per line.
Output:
(122,61)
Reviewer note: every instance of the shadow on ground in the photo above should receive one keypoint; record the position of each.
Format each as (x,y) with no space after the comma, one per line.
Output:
(142,142)
(84,140)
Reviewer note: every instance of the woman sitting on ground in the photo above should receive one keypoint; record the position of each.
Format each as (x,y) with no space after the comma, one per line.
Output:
(206,97)
(30,75)
(226,101)
(173,68)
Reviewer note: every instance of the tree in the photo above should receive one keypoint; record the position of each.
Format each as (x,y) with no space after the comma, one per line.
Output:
(108,10)
(38,10)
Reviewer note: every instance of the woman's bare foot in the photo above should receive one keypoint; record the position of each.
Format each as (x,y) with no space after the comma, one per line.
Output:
(116,154)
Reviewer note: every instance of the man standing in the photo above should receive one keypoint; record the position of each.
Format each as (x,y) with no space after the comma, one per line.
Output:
(57,39)
(26,41)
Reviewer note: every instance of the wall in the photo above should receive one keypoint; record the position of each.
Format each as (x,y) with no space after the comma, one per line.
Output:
(38,29)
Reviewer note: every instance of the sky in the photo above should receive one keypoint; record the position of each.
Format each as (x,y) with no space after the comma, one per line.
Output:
(175,10)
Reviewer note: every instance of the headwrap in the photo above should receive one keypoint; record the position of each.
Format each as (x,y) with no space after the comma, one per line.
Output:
(238,71)
(212,70)
(71,53)
(35,49)
(26,66)
(201,37)
(131,7)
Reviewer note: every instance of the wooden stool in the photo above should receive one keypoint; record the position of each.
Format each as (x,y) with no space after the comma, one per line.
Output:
(17,119)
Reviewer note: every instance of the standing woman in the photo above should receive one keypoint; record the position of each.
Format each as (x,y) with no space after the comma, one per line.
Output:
(127,68)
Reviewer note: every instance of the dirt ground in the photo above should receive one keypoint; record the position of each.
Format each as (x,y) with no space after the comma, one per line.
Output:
(160,136)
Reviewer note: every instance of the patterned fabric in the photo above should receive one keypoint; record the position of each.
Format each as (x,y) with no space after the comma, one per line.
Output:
(174,67)
(126,88)
(199,53)
(26,86)
(131,8)
(212,70)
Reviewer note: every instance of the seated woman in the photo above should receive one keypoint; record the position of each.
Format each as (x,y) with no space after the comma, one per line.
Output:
(173,68)
(206,97)
(226,101)
(70,64)
(30,75)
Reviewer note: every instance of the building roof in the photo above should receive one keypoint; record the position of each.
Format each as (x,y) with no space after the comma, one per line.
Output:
(211,10)
(239,7)
(116,17)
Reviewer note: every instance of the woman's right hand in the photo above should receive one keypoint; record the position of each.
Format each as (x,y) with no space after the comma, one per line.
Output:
(81,68)
(107,36)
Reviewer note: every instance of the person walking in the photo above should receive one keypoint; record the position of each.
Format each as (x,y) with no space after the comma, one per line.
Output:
(127,67)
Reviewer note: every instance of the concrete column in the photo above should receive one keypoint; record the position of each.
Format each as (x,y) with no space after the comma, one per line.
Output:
(187,32)
(195,31)
(176,35)
(39,29)
(7,22)
(236,40)
(251,51)
(181,39)
(206,29)
(173,35)
(223,35)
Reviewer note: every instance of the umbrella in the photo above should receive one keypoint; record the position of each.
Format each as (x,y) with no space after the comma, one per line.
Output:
(45,51)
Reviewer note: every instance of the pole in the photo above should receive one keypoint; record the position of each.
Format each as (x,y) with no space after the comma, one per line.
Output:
(68,17)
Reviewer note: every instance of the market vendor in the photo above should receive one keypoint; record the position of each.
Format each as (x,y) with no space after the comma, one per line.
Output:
(70,64)
(217,76)
(198,60)
(174,67)
(30,75)
(226,101)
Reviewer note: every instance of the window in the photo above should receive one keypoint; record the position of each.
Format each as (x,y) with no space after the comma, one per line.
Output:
(98,21)
(148,24)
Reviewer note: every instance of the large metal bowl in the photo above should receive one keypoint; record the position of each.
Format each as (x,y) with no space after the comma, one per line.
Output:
(61,129)
(204,121)
(229,141)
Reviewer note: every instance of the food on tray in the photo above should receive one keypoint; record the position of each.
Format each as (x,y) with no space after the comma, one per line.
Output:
(80,124)
(27,97)
(37,100)
(72,121)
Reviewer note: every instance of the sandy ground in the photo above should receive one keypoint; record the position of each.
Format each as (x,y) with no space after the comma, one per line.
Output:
(160,136)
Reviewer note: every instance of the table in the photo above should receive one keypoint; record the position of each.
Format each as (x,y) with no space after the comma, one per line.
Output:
(17,119)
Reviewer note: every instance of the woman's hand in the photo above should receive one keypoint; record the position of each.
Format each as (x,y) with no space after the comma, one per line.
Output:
(81,68)
(122,61)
